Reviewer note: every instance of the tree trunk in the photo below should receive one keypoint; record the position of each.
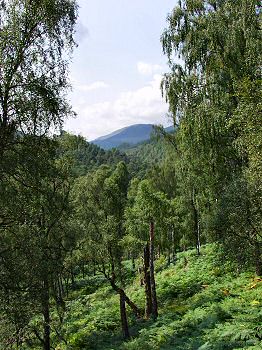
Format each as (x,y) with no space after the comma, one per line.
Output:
(173,247)
(258,262)
(46,314)
(196,224)
(60,292)
(152,273)
(198,236)
(72,277)
(133,264)
(132,305)
(169,249)
(147,282)
(168,257)
(124,321)
(66,279)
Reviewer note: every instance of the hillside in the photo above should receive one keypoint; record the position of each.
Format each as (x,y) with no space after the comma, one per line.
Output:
(202,305)
(87,156)
(128,136)
(149,152)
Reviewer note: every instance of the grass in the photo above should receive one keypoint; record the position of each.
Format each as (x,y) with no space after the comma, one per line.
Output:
(202,306)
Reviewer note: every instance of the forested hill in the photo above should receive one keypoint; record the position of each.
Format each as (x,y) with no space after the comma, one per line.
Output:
(127,137)
(87,156)
(149,152)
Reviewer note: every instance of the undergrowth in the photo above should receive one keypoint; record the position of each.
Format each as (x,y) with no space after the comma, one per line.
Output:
(203,305)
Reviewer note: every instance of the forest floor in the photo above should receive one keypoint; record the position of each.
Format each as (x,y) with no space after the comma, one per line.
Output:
(203,305)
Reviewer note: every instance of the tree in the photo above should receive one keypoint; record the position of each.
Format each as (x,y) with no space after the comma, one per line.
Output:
(33,70)
(87,156)
(33,243)
(100,199)
(35,36)
(146,215)
(247,121)
(205,99)
(239,223)
(165,178)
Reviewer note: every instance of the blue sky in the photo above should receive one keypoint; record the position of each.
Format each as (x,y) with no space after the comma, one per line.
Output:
(117,66)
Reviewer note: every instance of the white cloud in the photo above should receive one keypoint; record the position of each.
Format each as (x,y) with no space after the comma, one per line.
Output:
(148,68)
(144,105)
(93,86)
(141,103)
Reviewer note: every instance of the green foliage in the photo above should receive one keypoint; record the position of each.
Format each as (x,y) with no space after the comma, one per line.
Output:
(87,156)
(34,38)
(238,222)
(203,305)
(214,98)
(247,121)
(33,231)
(147,204)
(99,200)
(68,208)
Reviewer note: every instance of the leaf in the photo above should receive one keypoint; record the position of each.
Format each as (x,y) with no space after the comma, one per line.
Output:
(225,292)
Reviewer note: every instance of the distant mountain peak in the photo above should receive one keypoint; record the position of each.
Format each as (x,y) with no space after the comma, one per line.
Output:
(132,135)
(114,133)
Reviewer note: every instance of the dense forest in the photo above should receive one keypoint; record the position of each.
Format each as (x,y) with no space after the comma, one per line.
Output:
(158,246)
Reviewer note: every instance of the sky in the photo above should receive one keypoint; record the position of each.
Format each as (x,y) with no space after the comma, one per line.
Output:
(117,67)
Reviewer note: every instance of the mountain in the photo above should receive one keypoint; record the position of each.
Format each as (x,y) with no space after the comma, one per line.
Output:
(129,135)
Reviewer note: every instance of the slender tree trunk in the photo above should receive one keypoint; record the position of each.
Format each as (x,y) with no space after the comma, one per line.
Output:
(255,243)
(66,279)
(196,223)
(72,277)
(169,249)
(168,257)
(147,282)
(152,273)
(258,262)
(46,314)
(133,264)
(132,305)
(60,291)
(123,315)
(173,246)
(18,338)
(198,236)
